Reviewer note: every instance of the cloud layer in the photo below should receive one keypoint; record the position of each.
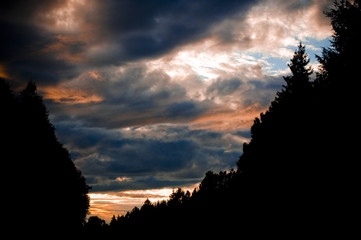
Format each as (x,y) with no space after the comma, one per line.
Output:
(152,94)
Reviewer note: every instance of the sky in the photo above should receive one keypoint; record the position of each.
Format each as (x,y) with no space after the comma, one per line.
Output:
(150,95)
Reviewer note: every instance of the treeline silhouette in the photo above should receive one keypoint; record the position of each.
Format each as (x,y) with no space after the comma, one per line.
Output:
(44,193)
(298,175)
(204,210)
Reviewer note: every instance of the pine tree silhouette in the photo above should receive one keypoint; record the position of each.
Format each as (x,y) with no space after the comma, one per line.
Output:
(298,174)
(44,183)
(338,101)
(274,163)
(300,165)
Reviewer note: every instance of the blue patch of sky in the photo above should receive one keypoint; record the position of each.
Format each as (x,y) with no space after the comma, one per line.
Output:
(314,46)
(271,65)
(275,65)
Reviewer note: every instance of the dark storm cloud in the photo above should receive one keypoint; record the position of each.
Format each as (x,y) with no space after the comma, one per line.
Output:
(150,28)
(24,14)
(133,97)
(51,41)
(185,110)
(263,92)
(108,105)
(22,41)
(224,87)
(148,157)
(19,53)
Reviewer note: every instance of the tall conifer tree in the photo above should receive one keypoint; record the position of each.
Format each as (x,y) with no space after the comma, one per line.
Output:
(43,182)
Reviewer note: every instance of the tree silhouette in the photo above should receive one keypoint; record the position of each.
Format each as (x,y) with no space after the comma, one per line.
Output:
(339,62)
(274,164)
(300,79)
(95,227)
(43,181)
(298,174)
(338,98)
(300,163)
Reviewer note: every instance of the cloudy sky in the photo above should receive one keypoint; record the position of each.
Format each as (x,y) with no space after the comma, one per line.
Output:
(149,95)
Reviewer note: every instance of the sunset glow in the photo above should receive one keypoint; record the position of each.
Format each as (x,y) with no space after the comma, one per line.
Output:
(70,95)
(2,72)
(148,97)
(105,205)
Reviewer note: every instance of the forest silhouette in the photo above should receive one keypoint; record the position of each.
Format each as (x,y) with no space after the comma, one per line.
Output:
(296,177)
(46,192)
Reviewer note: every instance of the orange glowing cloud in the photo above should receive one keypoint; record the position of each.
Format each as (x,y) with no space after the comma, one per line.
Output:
(3,72)
(67,48)
(223,119)
(70,95)
(105,205)
(97,76)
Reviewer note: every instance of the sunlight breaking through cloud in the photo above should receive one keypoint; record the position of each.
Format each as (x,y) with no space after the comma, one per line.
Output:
(151,96)
(105,205)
